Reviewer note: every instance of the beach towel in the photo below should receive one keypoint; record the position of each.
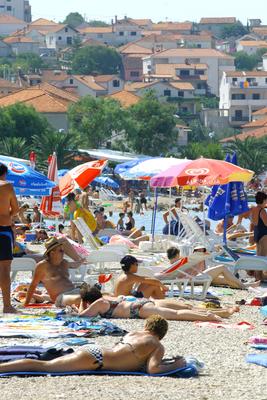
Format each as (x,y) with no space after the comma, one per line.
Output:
(259,359)
(259,346)
(258,340)
(243,325)
(14,353)
(186,372)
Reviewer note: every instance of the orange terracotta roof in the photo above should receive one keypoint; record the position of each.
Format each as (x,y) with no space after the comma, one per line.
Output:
(171,68)
(49,75)
(172,26)
(9,19)
(105,78)
(261,30)
(253,43)
(19,39)
(7,84)
(180,85)
(244,74)
(92,29)
(262,111)
(257,133)
(92,42)
(141,22)
(43,21)
(134,48)
(89,81)
(259,123)
(188,53)
(60,93)
(218,20)
(132,87)
(126,98)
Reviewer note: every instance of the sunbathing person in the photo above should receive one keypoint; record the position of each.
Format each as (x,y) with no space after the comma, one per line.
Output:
(93,303)
(139,350)
(146,287)
(53,273)
(220,274)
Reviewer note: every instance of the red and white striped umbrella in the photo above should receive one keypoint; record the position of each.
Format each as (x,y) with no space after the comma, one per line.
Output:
(80,176)
(51,206)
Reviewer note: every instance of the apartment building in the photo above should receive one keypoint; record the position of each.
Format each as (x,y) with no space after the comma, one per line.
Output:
(20,9)
(215,25)
(241,94)
(216,62)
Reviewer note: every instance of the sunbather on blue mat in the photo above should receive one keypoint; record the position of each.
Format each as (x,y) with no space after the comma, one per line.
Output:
(140,350)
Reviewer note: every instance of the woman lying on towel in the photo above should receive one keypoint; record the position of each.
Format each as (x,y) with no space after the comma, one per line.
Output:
(93,303)
(139,350)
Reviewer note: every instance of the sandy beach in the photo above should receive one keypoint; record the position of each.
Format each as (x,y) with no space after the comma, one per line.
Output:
(226,374)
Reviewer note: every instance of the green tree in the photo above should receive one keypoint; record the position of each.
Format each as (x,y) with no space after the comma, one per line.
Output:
(96,59)
(198,132)
(154,126)
(245,62)
(97,23)
(251,153)
(73,19)
(15,146)
(205,149)
(233,30)
(64,144)
(28,62)
(94,120)
(22,121)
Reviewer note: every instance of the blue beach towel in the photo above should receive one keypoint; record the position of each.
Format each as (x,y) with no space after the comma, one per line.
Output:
(186,372)
(259,359)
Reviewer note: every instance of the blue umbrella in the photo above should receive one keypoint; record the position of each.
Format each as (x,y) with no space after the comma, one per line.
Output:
(226,200)
(105,180)
(122,168)
(26,181)
(62,172)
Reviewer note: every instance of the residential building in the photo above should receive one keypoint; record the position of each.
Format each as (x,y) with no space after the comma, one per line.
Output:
(182,137)
(10,24)
(102,34)
(216,62)
(84,85)
(260,31)
(185,28)
(242,93)
(7,87)
(161,42)
(250,46)
(257,133)
(178,92)
(20,9)
(60,36)
(132,60)
(216,25)
(196,74)
(126,99)
(5,50)
(21,45)
(46,99)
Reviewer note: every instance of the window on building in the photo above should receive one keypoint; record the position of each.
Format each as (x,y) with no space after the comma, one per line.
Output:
(265,80)
(199,86)
(256,96)
(184,109)
(199,72)
(66,29)
(134,73)
(121,33)
(60,38)
(167,92)
(180,93)
(238,96)
(133,33)
(184,72)
(199,46)
(9,8)
(71,81)
(69,40)
(116,83)
(238,115)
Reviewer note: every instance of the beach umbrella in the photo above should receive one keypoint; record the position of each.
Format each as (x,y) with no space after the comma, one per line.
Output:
(62,172)
(201,172)
(80,176)
(106,180)
(146,169)
(25,180)
(51,206)
(122,168)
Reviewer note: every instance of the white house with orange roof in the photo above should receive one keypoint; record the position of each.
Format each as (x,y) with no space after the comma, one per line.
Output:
(251,46)
(20,9)
(216,62)
(174,27)
(215,24)
(22,44)
(10,24)
(241,94)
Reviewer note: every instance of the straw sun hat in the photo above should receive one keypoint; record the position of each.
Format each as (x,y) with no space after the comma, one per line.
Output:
(51,244)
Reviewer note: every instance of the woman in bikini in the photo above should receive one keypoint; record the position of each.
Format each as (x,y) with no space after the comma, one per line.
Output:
(140,350)
(259,221)
(93,303)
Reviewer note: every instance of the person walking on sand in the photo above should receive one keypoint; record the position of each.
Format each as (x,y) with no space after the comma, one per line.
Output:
(9,208)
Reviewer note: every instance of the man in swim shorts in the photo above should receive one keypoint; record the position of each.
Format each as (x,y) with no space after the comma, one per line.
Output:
(9,208)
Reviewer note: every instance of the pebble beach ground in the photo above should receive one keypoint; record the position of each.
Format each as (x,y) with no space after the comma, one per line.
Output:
(226,375)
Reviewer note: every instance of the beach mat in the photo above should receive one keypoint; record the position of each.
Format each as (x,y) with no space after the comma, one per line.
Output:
(259,359)
(185,372)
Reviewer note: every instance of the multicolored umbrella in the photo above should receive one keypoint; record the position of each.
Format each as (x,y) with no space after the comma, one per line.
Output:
(26,181)
(51,206)
(146,169)
(80,176)
(201,172)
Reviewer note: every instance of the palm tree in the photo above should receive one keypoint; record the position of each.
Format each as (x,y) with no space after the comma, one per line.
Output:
(251,153)
(15,147)
(64,144)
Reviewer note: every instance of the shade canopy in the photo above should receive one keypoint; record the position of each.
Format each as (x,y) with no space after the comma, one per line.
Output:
(201,172)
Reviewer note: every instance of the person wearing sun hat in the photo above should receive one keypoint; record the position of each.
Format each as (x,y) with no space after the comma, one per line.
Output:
(53,273)
(146,287)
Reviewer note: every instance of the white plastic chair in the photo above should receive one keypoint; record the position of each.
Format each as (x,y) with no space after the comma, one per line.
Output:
(22,264)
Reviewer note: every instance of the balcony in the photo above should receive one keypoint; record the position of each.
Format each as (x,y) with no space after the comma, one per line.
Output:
(239,119)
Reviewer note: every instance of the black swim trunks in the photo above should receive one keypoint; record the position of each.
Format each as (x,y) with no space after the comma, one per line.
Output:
(6,243)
